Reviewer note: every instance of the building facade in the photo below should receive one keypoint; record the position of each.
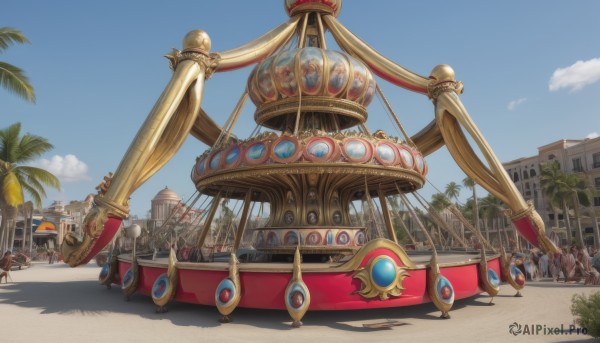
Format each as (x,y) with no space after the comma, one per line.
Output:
(580,157)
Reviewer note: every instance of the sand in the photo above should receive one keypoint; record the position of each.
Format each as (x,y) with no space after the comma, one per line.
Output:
(56,303)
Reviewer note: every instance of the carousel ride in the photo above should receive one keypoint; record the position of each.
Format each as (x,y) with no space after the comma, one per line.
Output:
(308,193)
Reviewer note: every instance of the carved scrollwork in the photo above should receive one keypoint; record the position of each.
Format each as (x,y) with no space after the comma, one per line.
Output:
(105,184)
(206,61)
(434,89)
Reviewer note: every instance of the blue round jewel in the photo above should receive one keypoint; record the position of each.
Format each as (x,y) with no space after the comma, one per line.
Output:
(256,151)
(214,163)
(228,284)
(356,149)
(285,149)
(296,287)
(160,286)
(329,237)
(493,278)
(443,286)
(386,152)
(232,156)
(128,278)
(201,167)
(383,272)
(104,271)
(319,150)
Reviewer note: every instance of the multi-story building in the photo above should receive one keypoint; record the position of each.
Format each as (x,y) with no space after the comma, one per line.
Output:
(574,156)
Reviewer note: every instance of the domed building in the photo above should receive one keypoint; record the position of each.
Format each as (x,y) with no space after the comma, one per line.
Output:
(163,204)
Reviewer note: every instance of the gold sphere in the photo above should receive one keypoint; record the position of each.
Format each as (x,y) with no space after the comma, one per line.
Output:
(442,72)
(197,39)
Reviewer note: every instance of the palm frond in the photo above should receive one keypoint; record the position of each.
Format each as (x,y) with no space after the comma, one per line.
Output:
(9,36)
(32,182)
(12,192)
(14,80)
(9,142)
(42,175)
(34,195)
(468,182)
(32,146)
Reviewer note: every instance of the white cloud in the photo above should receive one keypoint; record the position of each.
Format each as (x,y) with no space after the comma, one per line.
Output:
(67,169)
(513,104)
(576,76)
(592,135)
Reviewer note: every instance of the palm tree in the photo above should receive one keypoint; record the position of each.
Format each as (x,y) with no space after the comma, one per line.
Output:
(492,211)
(566,191)
(439,201)
(579,195)
(453,191)
(551,181)
(13,78)
(401,235)
(17,179)
(470,184)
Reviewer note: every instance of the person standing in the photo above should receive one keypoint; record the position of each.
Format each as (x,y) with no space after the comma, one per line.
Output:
(5,265)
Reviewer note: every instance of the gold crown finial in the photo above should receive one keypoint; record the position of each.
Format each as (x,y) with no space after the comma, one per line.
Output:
(197,39)
(442,72)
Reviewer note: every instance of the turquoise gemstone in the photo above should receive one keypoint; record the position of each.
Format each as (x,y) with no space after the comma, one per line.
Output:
(319,150)
(225,291)
(493,278)
(127,278)
(201,167)
(104,271)
(285,149)
(232,156)
(214,163)
(256,151)
(383,273)
(160,286)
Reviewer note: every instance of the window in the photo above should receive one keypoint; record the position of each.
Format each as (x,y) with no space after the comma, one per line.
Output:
(532,173)
(597,201)
(589,240)
(525,174)
(597,182)
(577,167)
(516,177)
(589,230)
(596,157)
(551,157)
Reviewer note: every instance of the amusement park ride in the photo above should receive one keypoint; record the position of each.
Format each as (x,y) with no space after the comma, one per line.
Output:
(313,161)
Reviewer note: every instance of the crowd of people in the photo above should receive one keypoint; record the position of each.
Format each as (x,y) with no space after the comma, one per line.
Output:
(574,264)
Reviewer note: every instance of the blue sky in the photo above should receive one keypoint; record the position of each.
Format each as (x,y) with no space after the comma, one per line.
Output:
(530,70)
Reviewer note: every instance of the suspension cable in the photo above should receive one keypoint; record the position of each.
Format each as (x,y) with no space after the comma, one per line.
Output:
(391,111)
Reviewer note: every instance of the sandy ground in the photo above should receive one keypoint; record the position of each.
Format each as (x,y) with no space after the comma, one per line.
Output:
(56,303)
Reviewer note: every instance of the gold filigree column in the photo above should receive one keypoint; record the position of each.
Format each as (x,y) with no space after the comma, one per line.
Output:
(160,137)
(451,117)
(168,123)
